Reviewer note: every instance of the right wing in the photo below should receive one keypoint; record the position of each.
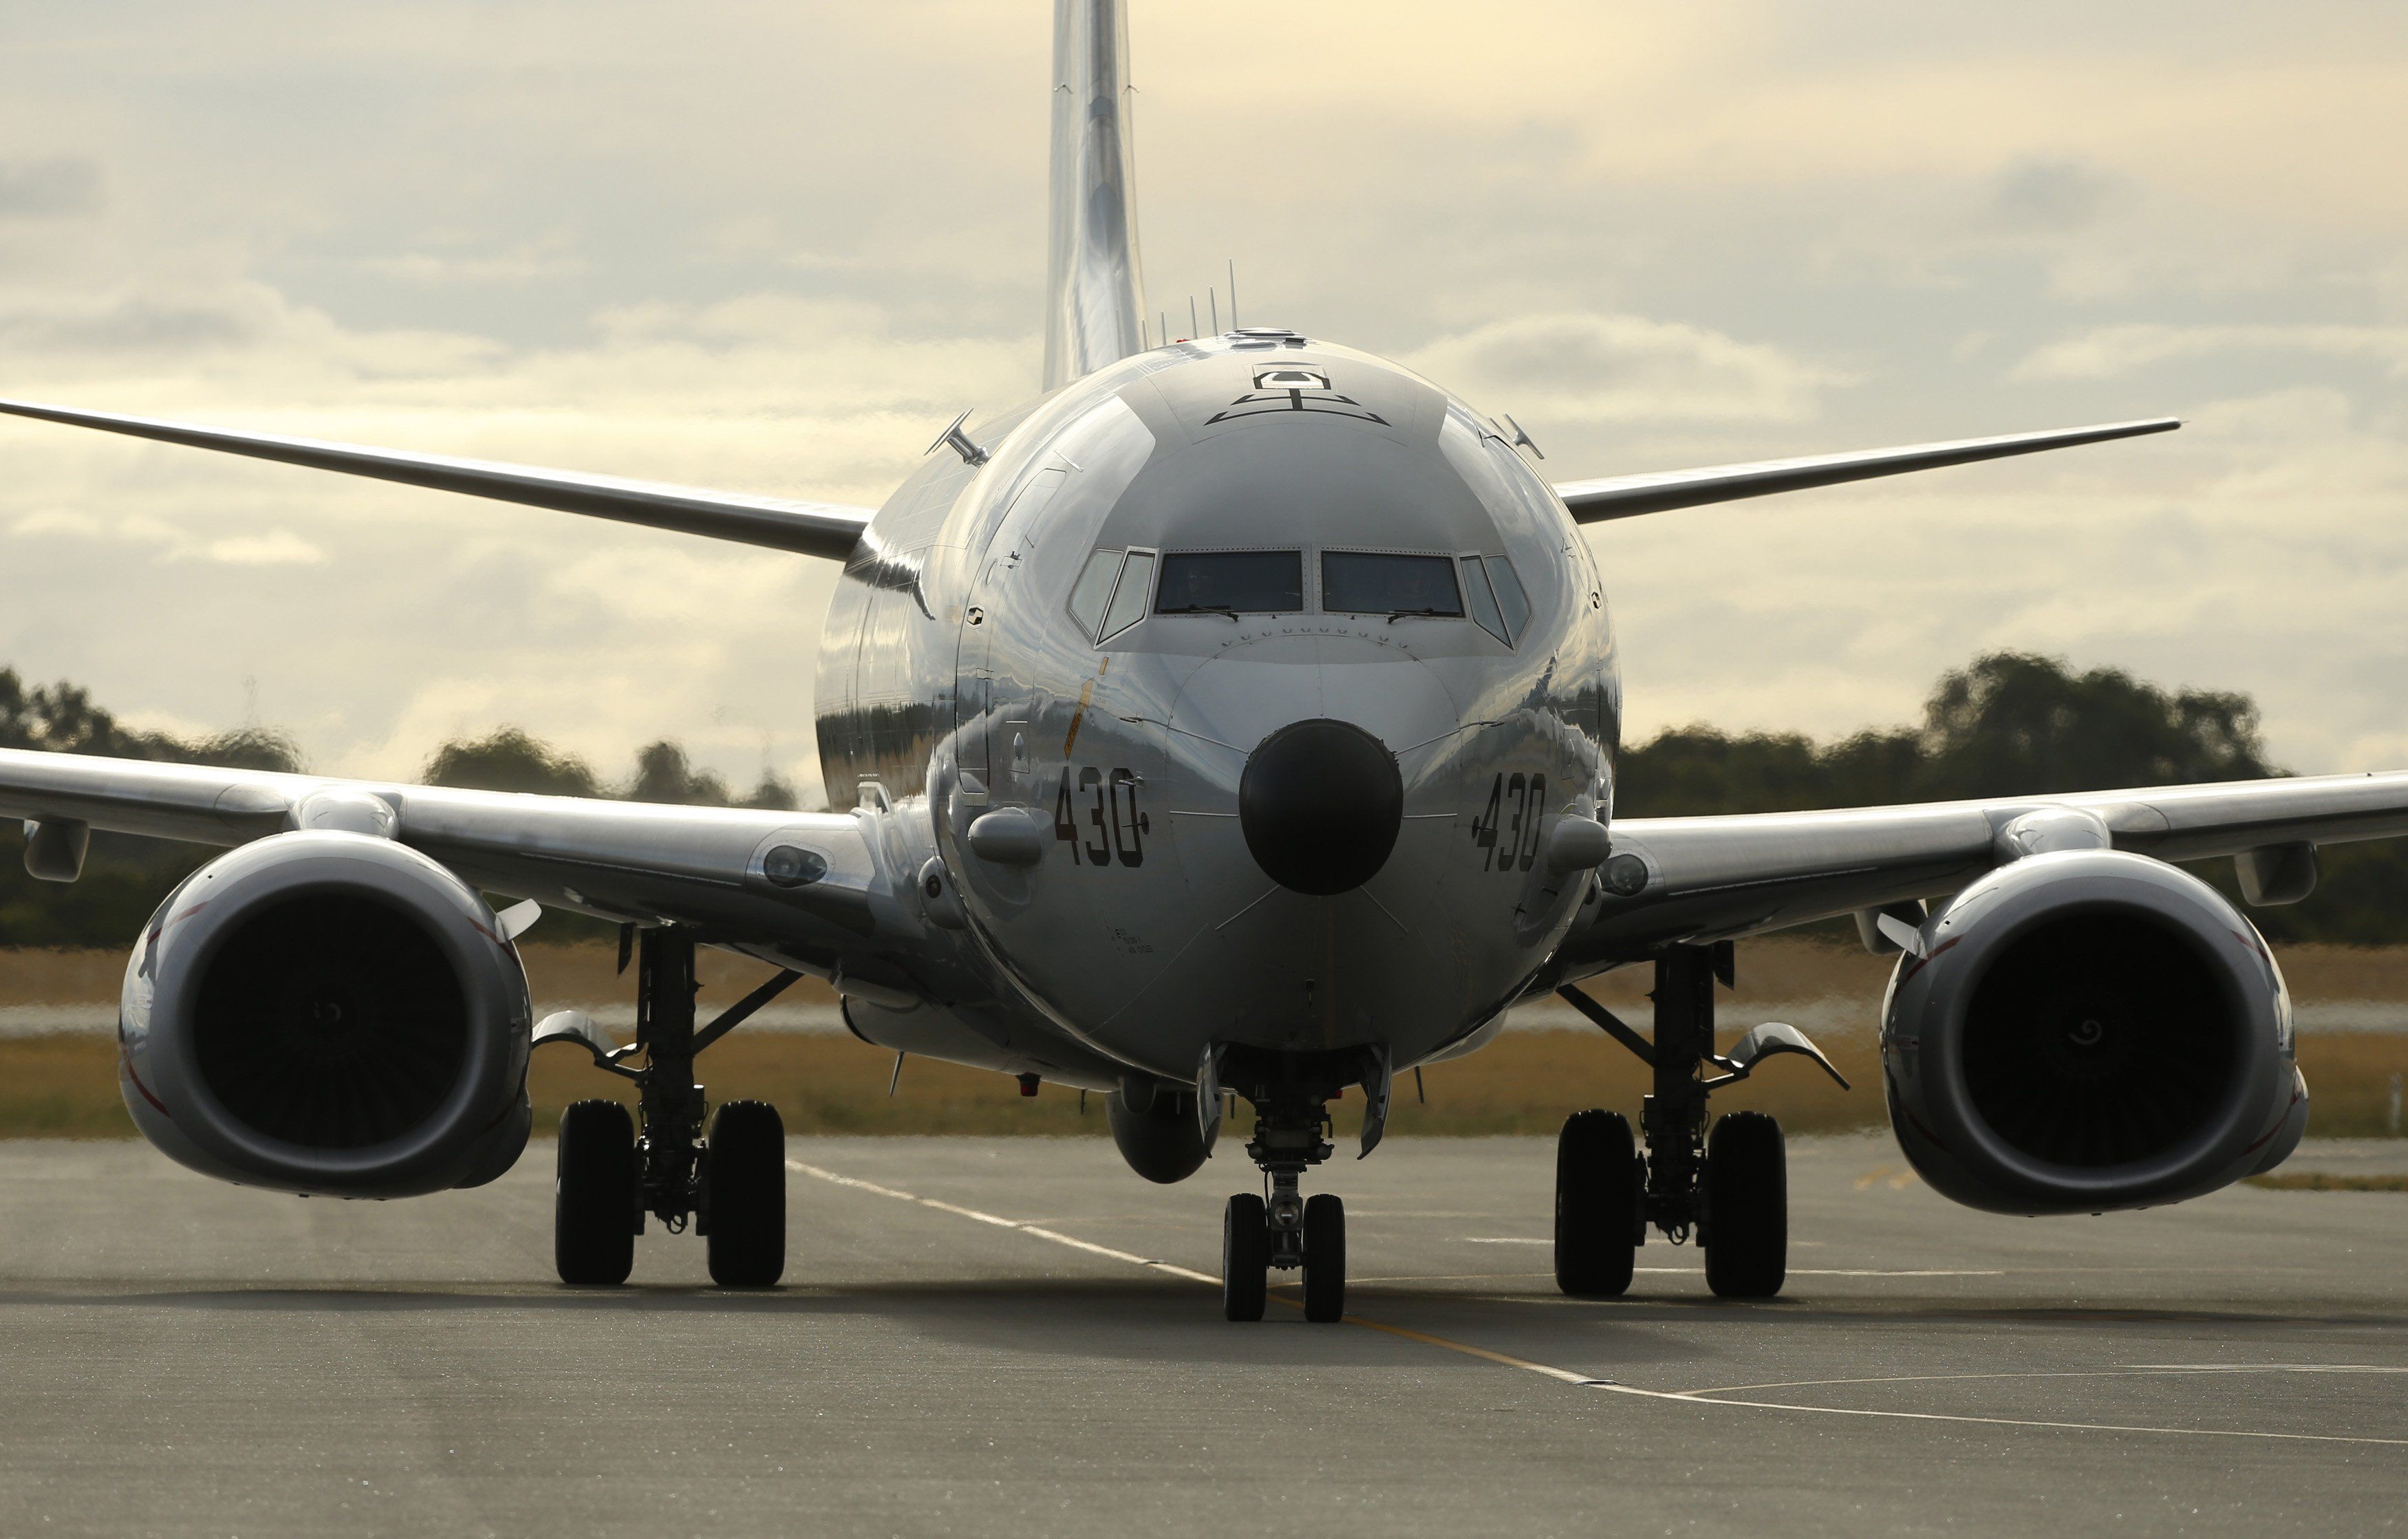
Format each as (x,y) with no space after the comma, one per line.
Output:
(1627,496)
(810,528)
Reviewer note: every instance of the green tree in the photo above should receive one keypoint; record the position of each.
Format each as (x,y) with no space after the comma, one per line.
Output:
(509,759)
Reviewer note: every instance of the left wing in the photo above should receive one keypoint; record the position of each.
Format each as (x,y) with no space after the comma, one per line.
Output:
(810,528)
(1712,878)
(1625,497)
(703,867)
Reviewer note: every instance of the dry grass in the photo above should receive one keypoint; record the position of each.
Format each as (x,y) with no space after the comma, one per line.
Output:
(2323,1181)
(65,1087)
(1524,1082)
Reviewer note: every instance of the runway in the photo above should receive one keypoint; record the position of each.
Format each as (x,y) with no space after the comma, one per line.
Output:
(1001,1336)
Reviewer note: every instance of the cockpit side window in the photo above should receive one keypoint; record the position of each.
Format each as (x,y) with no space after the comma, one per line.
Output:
(1094,588)
(1231,582)
(1129,598)
(1385,583)
(1510,597)
(1485,613)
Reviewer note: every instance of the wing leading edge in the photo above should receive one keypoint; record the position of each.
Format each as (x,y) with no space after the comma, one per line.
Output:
(1710,877)
(809,529)
(702,867)
(1627,496)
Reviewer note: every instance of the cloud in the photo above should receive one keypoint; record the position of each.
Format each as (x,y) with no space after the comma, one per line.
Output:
(517,267)
(1619,368)
(2108,352)
(54,188)
(2055,196)
(281,548)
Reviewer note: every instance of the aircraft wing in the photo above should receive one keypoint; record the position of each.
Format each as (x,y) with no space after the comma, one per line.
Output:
(703,867)
(1625,497)
(810,529)
(1710,877)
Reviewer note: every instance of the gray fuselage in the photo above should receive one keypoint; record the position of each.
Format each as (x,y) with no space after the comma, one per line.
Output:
(968,666)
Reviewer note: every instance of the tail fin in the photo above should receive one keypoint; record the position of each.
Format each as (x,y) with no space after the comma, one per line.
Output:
(1095,289)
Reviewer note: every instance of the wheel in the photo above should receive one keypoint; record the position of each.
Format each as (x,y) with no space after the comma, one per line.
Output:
(1597,1205)
(1245,1257)
(744,1191)
(1746,1232)
(1324,1257)
(593,1201)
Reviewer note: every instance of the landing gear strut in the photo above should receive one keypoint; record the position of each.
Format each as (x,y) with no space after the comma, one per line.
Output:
(1282,1229)
(730,1185)
(1725,1183)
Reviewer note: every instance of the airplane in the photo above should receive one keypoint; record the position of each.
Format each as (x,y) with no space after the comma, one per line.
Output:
(1236,719)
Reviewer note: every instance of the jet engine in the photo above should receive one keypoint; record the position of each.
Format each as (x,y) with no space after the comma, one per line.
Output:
(328,1012)
(2088,1029)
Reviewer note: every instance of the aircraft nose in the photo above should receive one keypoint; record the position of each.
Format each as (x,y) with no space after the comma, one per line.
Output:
(1320,804)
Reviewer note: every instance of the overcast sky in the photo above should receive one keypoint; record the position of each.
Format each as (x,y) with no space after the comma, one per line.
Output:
(774,247)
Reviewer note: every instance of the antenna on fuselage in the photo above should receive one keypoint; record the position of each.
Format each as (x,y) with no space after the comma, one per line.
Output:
(1215,300)
(1193,329)
(971,451)
(1233,294)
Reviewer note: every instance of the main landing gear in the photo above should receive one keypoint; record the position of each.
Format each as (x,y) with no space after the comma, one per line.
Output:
(1282,1229)
(729,1185)
(1725,1183)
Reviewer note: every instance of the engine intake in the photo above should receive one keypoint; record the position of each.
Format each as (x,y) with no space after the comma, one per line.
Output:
(2089,1029)
(328,1012)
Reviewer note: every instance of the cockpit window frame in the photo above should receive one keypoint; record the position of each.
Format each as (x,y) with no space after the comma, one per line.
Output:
(1307,568)
(1070,601)
(1322,554)
(1472,575)
(1153,554)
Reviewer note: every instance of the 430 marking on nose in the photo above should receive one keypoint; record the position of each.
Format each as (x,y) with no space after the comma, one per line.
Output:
(1523,799)
(1118,826)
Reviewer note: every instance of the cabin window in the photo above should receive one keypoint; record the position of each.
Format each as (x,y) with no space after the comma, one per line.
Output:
(1231,582)
(1382,582)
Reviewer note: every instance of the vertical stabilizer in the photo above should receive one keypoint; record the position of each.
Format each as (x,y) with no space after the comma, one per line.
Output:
(1095,291)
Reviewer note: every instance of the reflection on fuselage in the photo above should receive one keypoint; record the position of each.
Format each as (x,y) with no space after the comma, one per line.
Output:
(1315,547)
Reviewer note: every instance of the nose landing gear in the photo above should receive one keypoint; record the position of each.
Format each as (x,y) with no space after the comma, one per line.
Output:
(1283,1229)
(1727,1183)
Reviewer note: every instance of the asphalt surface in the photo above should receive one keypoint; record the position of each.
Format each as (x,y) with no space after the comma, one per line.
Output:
(1004,1336)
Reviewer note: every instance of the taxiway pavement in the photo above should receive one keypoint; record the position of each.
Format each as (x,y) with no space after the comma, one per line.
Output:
(1004,1336)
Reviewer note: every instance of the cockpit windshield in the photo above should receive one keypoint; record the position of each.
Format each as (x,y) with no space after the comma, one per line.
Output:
(1231,582)
(1382,582)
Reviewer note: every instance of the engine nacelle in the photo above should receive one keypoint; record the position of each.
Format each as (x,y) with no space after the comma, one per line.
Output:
(328,1012)
(2089,1029)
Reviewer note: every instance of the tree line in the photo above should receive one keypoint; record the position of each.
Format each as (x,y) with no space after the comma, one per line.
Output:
(125,878)
(2008,724)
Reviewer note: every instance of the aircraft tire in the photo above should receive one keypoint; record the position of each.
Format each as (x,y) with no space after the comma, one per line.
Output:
(1245,1257)
(745,1171)
(1597,1205)
(1325,1259)
(593,1196)
(1746,1234)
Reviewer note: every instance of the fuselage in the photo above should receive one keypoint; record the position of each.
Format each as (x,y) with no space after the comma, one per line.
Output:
(1388,615)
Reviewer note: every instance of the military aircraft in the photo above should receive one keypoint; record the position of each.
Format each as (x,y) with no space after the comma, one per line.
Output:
(1236,719)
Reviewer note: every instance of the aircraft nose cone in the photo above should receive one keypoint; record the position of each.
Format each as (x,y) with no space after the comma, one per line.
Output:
(1320,804)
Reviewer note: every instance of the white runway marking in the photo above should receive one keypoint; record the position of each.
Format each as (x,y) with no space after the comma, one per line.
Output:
(1000,1222)
(1689,1397)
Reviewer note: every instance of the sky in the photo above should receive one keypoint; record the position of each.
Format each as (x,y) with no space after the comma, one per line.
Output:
(775,247)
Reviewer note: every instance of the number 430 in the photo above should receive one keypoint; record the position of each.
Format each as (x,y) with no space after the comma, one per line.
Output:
(1508,828)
